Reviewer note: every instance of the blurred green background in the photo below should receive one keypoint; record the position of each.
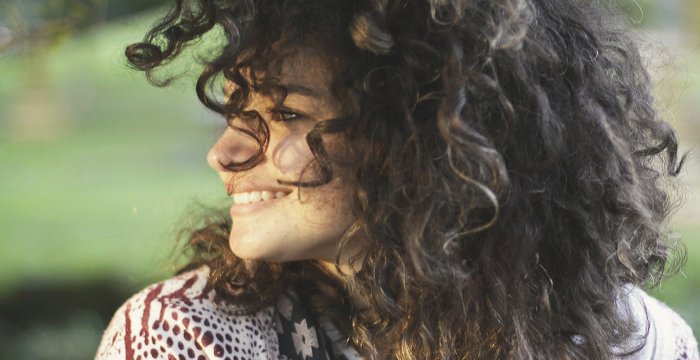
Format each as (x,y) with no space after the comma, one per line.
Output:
(98,169)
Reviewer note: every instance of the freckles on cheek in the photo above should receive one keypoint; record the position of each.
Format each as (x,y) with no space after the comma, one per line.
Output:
(332,203)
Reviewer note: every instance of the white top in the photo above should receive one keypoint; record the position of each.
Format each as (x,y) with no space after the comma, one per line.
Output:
(669,336)
(181,318)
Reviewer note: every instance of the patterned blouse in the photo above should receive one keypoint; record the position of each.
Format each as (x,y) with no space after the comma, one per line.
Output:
(182,319)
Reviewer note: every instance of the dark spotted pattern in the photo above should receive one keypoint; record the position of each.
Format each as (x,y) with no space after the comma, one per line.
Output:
(183,319)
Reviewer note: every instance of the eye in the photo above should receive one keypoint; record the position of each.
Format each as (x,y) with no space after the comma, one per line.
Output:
(286,115)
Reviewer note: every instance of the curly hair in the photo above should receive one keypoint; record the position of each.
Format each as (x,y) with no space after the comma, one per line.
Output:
(509,177)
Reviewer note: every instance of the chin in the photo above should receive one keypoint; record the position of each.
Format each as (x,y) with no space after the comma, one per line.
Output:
(255,250)
(246,252)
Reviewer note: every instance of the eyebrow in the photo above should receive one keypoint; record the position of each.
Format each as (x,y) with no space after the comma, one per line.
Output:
(301,90)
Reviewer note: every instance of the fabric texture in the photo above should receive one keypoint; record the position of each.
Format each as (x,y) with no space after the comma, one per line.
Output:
(669,336)
(182,318)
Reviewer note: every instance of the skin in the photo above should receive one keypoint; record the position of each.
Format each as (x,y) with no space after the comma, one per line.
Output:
(300,226)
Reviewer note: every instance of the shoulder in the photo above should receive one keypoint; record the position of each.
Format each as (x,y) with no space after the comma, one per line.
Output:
(661,332)
(183,317)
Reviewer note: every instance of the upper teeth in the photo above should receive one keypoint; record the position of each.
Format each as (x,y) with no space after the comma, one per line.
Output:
(255,196)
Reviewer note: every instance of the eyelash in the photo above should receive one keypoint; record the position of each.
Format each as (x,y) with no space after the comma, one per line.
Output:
(280,115)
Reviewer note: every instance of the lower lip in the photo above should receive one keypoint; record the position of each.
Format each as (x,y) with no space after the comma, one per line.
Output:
(245,209)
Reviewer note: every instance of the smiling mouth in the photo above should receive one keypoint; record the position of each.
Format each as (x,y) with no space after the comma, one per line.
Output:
(257,196)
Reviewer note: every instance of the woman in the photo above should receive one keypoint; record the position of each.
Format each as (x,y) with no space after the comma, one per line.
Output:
(418,179)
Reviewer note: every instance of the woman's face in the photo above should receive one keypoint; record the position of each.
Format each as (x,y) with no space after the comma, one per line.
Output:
(283,226)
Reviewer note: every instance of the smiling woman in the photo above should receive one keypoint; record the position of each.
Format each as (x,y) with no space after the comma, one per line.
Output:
(295,224)
(419,180)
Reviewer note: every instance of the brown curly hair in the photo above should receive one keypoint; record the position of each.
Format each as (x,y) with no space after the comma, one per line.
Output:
(509,171)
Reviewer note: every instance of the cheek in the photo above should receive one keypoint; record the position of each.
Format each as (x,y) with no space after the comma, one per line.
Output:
(323,216)
(291,154)
(329,203)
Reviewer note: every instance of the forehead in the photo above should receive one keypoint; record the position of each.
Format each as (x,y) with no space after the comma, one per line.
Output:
(305,76)
(303,67)
(299,69)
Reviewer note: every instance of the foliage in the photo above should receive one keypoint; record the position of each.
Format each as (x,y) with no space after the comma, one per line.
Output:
(48,20)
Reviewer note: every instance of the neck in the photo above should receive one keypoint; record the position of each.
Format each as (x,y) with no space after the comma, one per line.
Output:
(345,272)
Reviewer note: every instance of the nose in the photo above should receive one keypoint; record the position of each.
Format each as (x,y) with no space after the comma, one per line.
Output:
(232,146)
